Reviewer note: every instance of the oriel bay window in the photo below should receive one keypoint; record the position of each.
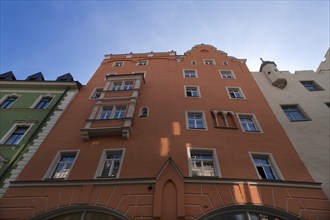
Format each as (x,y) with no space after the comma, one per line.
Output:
(122,85)
(114,108)
(113,112)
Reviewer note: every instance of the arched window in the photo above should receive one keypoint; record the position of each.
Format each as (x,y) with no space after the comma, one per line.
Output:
(248,212)
(81,213)
(144,112)
(223,119)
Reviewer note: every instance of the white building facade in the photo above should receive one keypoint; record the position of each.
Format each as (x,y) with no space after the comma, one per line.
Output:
(301,103)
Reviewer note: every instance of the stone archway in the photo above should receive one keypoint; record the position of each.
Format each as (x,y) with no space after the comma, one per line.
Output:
(247,212)
(81,212)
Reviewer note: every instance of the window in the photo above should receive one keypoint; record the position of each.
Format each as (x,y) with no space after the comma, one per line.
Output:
(202,162)
(209,62)
(225,63)
(128,85)
(120,112)
(196,120)
(235,93)
(190,74)
(118,64)
(122,85)
(223,119)
(144,112)
(249,123)
(106,113)
(227,74)
(8,102)
(96,93)
(17,135)
(43,103)
(294,113)
(192,91)
(63,165)
(193,62)
(142,63)
(311,86)
(113,112)
(264,167)
(111,164)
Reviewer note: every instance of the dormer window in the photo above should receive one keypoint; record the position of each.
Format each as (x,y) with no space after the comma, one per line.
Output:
(142,63)
(118,64)
(209,62)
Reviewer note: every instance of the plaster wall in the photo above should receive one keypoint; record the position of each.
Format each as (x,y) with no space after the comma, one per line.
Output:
(310,138)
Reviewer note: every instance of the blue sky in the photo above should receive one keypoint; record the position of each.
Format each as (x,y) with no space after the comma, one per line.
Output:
(56,37)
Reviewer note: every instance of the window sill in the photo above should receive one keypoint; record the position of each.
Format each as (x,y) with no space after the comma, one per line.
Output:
(223,127)
(300,120)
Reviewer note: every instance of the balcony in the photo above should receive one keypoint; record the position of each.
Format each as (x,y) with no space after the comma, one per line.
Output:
(107,127)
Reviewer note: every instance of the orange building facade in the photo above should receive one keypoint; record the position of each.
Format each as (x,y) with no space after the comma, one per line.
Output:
(167,136)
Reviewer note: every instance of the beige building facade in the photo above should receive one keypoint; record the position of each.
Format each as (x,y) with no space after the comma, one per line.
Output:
(301,103)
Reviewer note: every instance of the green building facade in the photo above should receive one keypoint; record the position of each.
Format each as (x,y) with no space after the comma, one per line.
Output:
(28,111)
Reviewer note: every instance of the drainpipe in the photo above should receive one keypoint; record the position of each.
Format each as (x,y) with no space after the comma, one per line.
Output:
(32,137)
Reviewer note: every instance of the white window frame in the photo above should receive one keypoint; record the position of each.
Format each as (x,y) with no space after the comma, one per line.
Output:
(239,91)
(271,160)
(206,61)
(122,85)
(142,63)
(7,96)
(255,121)
(231,73)
(192,86)
(113,112)
(118,64)
(51,170)
(95,90)
(34,105)
(184,73)
(203,118)
(214,158)
(102,160)
(13,129)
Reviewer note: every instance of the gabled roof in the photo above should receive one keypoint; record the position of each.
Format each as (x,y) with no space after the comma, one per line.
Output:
(7,76)
(36,77)
(66,78)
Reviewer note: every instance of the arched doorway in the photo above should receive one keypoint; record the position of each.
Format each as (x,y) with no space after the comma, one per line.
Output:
(81,213)
(248,212)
